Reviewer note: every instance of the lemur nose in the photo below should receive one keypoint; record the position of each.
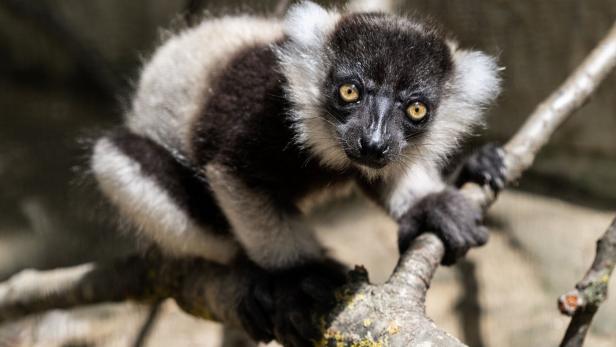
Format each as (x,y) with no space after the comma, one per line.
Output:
(374,149)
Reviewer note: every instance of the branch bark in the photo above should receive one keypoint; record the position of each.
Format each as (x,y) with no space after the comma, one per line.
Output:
(583,302)
(391,314)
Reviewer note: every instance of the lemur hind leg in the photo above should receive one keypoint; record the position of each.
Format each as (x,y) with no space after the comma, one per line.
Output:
(166,202)
(289,283)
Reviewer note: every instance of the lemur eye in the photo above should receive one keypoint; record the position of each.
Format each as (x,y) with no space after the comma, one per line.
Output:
(349,93)
(417,111)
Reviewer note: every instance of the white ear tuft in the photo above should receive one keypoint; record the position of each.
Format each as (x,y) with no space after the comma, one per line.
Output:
(307,23)
(477,76)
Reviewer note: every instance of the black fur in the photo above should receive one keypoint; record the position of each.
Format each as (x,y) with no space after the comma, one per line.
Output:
(245,126)
(454,218)
(190,191)
(289,304)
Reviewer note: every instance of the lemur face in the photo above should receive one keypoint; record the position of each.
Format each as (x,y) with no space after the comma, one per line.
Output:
(380,92)
(384,87)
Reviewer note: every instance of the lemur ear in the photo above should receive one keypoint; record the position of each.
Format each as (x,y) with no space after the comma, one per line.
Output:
(307,23)
(477,76)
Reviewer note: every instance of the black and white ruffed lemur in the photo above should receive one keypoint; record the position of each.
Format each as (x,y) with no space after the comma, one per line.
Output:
(239,122)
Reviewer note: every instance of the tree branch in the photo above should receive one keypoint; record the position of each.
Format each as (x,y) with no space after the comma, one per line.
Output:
(583,302)
(392,314)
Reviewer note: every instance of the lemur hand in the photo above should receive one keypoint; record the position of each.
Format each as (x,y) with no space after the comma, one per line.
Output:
(449,214)
(485,166)
(287,304)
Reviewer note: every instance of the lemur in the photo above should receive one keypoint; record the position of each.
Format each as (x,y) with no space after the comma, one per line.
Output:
(238,122)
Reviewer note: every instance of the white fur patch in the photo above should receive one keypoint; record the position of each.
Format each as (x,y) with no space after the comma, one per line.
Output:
(475,84)
(149,208)
(477,76)
(417,182)
(270,237)
(176,82)
(305,65)
(307,24)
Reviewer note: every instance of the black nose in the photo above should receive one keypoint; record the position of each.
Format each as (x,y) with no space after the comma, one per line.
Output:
(373,149)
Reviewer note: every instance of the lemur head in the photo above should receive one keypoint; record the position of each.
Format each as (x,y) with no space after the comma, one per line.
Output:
(378,91)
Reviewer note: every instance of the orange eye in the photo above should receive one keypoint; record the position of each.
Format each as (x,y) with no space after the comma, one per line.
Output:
(349,93)
(417,111)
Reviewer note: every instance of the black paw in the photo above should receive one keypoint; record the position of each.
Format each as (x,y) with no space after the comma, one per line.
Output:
(302,295)
(484,167)
(454,218)
(286,305)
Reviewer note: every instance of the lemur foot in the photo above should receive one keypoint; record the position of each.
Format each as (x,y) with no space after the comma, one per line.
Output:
(287,304)
(485,166)
(303,294)
(449,214)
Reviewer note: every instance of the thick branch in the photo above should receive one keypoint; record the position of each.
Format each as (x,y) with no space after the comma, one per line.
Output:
(583,302)
(392,314)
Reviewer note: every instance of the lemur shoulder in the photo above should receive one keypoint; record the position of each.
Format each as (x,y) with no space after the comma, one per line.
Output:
(237,121)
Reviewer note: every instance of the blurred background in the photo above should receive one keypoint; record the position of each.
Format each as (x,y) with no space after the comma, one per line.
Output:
(66,71)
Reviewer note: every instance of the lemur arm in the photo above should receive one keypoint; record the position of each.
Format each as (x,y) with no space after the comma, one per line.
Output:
(274,234)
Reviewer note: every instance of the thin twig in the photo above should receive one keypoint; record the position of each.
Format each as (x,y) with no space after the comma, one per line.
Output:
(583,302)
(148,324)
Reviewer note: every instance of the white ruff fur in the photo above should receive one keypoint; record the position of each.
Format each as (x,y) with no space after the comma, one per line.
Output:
(304,64)
(474,85)
(150,209)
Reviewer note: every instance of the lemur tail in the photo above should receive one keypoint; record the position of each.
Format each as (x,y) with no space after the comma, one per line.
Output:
(167,202)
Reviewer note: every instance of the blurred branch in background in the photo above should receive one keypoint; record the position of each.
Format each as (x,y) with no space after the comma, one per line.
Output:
(583,302)
(99,72)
